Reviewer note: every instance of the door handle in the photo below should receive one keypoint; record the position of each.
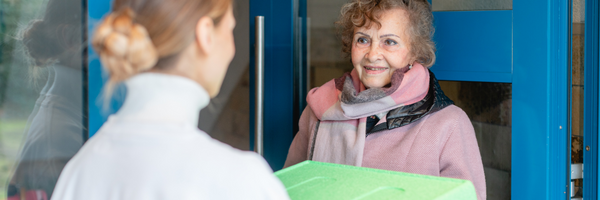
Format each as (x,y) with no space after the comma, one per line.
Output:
(259,83)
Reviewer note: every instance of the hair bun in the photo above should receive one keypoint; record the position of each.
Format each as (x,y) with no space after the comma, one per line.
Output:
(124,46)
(41,43)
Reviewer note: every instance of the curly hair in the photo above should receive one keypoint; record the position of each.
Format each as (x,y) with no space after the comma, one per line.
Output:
(359,13)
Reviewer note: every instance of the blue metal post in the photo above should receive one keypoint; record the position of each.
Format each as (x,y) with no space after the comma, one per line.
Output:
(539,131)
(591,101)
(96,75)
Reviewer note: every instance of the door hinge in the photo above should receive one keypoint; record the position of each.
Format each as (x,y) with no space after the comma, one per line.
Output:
(576,173)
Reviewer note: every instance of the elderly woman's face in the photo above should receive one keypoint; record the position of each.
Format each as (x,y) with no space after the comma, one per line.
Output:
(377,53)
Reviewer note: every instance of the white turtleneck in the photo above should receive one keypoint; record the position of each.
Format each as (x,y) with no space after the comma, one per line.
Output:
(151,149)
(163,98)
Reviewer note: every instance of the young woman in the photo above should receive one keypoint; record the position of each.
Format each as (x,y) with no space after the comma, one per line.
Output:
(172,56)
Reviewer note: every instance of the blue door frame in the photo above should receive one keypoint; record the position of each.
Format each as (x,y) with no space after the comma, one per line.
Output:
(591,100)
(96,75)
(527,46)
(538,58)
(531,48)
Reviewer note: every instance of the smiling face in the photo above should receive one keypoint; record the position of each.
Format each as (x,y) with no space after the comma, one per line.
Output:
(379,51)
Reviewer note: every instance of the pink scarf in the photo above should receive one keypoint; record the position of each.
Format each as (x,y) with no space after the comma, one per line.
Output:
(342,105)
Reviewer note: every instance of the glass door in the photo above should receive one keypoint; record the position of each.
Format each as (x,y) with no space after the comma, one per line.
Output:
(43,93)
(282,61)
(476,66)
(494,61)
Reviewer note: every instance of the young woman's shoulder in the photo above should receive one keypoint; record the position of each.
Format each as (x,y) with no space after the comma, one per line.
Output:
(252,172)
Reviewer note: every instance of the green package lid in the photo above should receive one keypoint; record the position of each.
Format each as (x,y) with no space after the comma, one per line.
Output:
(317,180)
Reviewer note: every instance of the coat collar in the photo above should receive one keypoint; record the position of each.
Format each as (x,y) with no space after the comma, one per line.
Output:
(434,101)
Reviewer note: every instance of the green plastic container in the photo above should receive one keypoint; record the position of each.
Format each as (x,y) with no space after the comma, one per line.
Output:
(317,180)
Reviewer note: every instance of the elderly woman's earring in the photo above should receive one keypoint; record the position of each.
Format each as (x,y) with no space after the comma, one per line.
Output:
(409,66)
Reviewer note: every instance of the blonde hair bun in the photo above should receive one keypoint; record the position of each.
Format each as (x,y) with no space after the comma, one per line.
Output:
(124,46)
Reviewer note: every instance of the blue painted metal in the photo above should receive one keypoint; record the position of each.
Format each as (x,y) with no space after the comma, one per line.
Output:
(84,62)
(300,73)
(279,76)
(305,29)
(540,73)
(457,75)
(474,46)
(96,75)
(569,114)
(591,100)
(528,46)
(300,64)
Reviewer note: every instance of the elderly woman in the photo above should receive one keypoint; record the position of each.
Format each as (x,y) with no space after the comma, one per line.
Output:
(389,112)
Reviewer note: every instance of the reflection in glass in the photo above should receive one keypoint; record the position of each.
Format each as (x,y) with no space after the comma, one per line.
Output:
(41,94)
(471,5)
(488,105)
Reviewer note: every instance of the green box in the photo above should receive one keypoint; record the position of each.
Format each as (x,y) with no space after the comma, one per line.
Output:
(317,180)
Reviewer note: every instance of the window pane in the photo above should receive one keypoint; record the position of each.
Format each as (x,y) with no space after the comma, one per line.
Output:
(326,60)
(470,5)
(488,105)
(42,92)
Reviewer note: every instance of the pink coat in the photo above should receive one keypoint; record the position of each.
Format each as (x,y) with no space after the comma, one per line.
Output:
(440,144)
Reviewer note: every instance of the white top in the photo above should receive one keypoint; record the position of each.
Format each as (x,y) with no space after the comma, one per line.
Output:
(151,149)
(55,129)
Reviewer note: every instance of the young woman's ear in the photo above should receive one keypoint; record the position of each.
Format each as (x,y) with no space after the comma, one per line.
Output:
(204,36)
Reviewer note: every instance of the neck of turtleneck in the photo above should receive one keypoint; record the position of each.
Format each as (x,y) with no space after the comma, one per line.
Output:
(162,98)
